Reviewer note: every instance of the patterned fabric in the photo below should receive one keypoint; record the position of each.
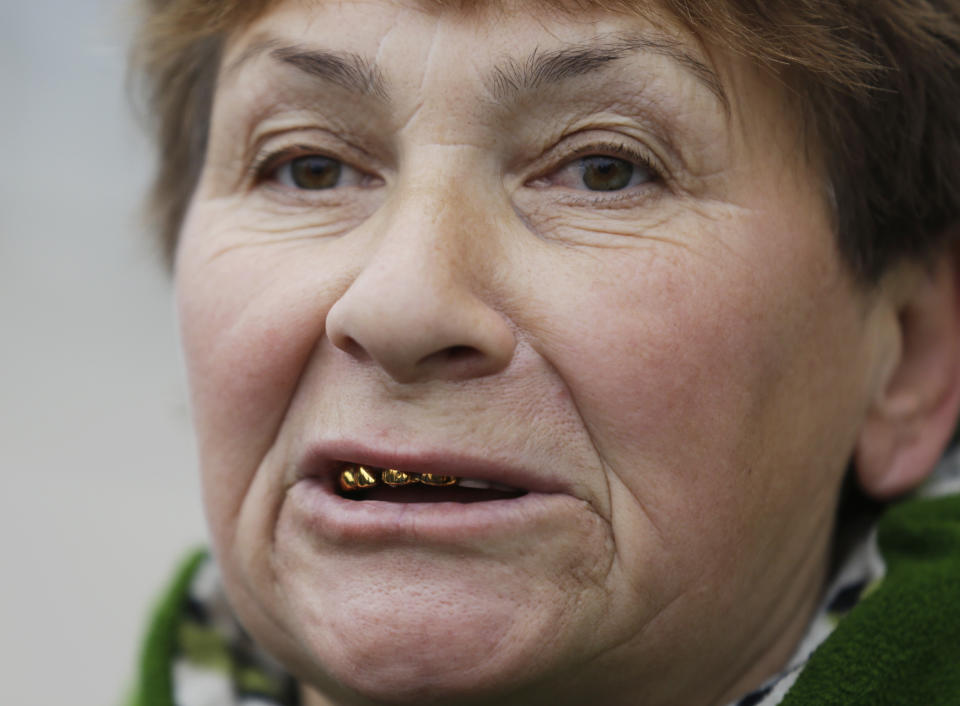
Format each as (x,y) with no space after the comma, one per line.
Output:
(215,663)
(860,574)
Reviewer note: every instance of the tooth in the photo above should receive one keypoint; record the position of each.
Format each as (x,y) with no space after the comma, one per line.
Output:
(395,478)
(437,481)
(355,477)
(365,478)
(348,479)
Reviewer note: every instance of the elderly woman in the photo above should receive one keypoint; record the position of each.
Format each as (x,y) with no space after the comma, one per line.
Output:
(564,353)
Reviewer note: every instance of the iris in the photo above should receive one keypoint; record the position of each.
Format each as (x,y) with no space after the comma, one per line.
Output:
(315,172)
(600,173)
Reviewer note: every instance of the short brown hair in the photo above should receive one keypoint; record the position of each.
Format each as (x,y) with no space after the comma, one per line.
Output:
(878,82)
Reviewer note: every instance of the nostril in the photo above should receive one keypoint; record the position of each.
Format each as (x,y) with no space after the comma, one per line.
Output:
(459,353)
(349,345)
(459,359)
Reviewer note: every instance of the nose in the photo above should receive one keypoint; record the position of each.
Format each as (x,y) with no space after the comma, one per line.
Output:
(420,306)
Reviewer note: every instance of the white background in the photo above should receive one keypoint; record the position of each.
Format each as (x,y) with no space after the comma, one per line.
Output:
(98,496)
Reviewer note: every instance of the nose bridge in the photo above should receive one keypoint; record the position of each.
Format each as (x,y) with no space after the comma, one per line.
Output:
(432,246)
(432,225)
(422,304)
(449,201)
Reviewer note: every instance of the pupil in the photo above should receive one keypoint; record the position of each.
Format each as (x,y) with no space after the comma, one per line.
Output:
(314,172)
(606,173)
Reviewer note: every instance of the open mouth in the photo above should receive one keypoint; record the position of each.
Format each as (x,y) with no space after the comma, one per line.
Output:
(359,482)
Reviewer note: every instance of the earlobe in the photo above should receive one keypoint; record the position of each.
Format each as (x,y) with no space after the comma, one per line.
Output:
(914,413)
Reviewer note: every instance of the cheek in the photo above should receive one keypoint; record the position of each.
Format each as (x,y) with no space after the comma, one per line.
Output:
(687,370)
(718,393)
(660,341)
(249,322)
(669,398)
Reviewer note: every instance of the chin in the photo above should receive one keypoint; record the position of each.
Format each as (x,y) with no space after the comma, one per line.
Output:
(397,644)
(411,680)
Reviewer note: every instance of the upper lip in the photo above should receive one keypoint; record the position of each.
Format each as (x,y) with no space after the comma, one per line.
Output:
(326,459)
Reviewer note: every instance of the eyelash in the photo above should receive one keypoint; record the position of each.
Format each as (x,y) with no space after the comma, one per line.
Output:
(266,163)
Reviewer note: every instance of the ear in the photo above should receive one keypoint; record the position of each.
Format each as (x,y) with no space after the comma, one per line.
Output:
(914,414)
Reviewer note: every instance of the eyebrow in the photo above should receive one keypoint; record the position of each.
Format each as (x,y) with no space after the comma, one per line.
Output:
(345,69)
(545,68)
(507,80)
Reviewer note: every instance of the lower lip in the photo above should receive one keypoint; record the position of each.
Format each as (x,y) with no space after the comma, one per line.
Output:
(321,511)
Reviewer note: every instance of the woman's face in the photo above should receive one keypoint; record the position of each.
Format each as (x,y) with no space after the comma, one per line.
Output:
(570,254)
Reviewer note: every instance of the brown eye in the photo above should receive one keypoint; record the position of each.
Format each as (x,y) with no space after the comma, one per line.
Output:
(601,173)
(315,172)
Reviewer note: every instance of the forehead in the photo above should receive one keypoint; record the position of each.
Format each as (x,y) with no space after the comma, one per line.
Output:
(522,46)
(238,12)
(536,19)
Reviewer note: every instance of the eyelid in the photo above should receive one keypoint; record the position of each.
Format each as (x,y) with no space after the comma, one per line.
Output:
(268,161)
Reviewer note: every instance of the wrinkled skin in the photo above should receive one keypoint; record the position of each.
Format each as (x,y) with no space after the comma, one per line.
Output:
(683,361)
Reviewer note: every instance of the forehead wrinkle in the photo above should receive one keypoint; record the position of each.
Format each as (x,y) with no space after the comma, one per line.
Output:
(507,80)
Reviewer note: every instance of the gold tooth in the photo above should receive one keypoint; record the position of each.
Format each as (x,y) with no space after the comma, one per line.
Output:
(395,478)
(438,481)
(348,479)
(355,477)
(365,478)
